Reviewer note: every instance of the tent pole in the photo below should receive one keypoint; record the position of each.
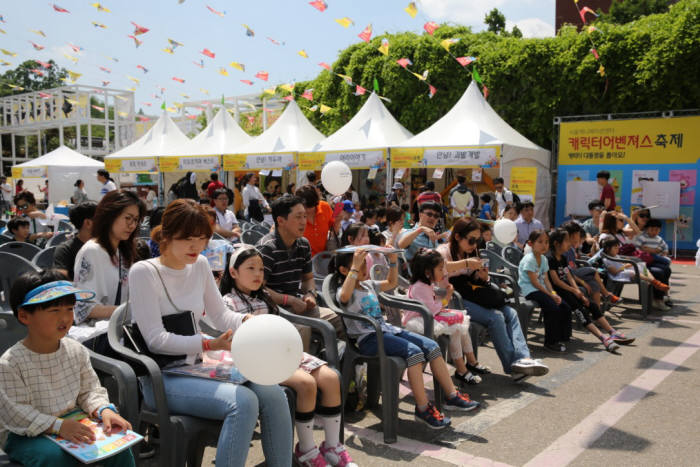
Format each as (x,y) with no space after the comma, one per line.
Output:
(389,175)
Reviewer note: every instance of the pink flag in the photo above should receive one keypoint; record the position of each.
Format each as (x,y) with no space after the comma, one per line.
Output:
(308,94)
(137,41)
(179,80)
(251,119)
(404,62)
(105,83)
(36,46)
(106,70)
(366,33)
(464,61)
(44,95)
(595,54)
(220,13)
(583,12)
(200,64)
(247,81)
(142,68)
(486,92)
(430,27)
(139,29)
(97,107)
(191,117)
(37,72)
(432,90)
(359,90)
(76,48)
(325,65)
(320,5)
(288,98)
(59,9)
(263,75)
(142,118)
(208,53)
(43,64)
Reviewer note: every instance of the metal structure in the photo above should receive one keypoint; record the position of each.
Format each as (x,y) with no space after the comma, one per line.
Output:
(31,114)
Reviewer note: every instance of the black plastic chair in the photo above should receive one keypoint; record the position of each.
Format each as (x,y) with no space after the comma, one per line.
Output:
(58,238)
(512,254)
(495,247)
(319,266)
(44,259)
(645,289)
(251,237)
(65,225)
(3,240)
(23,249)
(13,266)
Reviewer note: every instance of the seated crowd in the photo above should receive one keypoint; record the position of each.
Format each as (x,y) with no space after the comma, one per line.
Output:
(104,265)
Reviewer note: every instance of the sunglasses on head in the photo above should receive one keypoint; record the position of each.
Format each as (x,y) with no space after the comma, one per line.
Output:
(432,214)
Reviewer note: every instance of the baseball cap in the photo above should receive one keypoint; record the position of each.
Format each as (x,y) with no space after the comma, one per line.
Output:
(348,206)
(397,186)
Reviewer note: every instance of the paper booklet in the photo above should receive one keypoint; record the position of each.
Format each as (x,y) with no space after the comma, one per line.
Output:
(370,248)
(214,365)
(103,447)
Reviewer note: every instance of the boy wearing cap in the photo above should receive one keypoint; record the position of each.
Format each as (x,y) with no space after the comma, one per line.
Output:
(47,374)
(396,197)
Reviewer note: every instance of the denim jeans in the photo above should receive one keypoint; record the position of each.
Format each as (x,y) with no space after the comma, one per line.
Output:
(410,346)
(505,331)
(238,406)
(41,452)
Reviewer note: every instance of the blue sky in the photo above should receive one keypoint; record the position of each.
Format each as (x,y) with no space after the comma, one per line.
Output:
(292,22)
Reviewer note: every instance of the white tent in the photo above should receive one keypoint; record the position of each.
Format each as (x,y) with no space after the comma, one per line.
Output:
(221,136)
(473,129)
(63,167)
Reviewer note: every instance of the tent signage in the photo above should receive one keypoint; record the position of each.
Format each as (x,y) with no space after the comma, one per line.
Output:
(472,156)
(357,159)
(28,172)
(269,161)
(131,165)
(189,163)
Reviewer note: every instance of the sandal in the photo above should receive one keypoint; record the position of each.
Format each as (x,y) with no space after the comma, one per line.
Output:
(478,368)
(468,378)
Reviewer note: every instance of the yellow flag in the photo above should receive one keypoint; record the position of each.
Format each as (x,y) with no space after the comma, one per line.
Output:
(287,87)
(177,105)
(2,31)
(223,71)
(4,63)
(123,114)
(132,89)
(411,9)
(14,86)
(171,109)
(420,77)
(238,66)
(135,80)
(73,75)
(72,58)
(167,50)
(347,78)
(185,96)
(270,91)
(601,70)
(324,108)
(7,52)
(447,43)
(122,98)
(344,22)
(202,90)
(71,101)
(384,48)
(100,7)
(303,53)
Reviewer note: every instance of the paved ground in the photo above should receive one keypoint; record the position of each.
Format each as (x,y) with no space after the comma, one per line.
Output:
(638,407)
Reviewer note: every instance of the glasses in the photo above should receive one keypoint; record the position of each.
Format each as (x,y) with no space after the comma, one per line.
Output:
(646,216)
(472,240)
(432,214)
(22,206)
(131,220)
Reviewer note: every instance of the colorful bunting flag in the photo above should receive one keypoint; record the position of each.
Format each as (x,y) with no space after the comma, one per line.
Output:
(179,80)
(422,77)
(247,81)
(447,43)
(100,8)
(346,78)
(38,32)
(249,32)
(270,91)
(138,30)
(208,53)
(431,90)
(2,31)
(325,65)
(303,53)
(76,48)
(274,41)
(411,9)
(71,58)
(45,95)
(2,19)
(464,61)
(308,94)
(135,80)
(251,119)
(476,76)
(223,71)
(200,64)
(7,52)
(36,46)
(384,48)
(37,72)
(366,33)
(591,29)
(404,62)
(218,13)
(375,84)
(430,27)
(595,54)
(288,98)
(97,107)
(19,88)
(359,90)
(59,9)
(74,76)
(237,66)
(46,65)
(4,63)
(345,22)
(142,118)
(320,5)
(99,25)
(142,68)
(582,12)
(601,70)
(324,108)
(137,41)
(486,92)
(263,75)
(287,87)
(105,83)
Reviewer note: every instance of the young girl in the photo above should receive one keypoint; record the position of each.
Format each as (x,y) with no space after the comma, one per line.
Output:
(359,295)
(428,268)
(624,272)
(243,292)
(46,375)
(566,287)
(534,285)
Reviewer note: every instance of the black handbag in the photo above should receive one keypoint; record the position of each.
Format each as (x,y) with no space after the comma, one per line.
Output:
(181,323)
(482,293)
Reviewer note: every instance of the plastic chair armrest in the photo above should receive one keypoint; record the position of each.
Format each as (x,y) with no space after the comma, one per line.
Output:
(126,383)
(322,327)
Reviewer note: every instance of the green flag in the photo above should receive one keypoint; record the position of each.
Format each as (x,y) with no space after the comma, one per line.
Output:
(222,100)
(376,85)
(476,76)
(163,105)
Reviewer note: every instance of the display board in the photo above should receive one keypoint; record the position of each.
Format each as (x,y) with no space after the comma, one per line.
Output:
(665,196)
(578,195)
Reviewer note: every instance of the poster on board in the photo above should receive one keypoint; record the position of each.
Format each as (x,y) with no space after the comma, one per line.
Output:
(577,175)
(523,182)
(688,181)
(639,176)
(664,196)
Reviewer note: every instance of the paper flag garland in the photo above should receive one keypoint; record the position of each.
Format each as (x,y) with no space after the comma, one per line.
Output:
(249,32)
(223,71)
(99,25)
(101,8)
(359,90)
(2,19)
(404,62)
(4,63)
(287,87)
(325,108)
(345,22)
(106,70)
(246,81)
(346,78)
(208,53)
(303,53)
(486,92)
(200,64)
(601,70)
(37,72)
(447,43)
(142,118)
(46,65)
(237,66)
(325,65)
(38,32)
(97,107)
(431,91)
(142,68)
(59,9)
(308,94)
(2,31)
(19,88)
(45,95)
(75,48)
(7,52)
(464,61)
(476,76)
(71,58)
(263,75)
(137,41)
(73,75)
(430,27)
(366,33)
(320,5)
(384,48)
(138,30)
(582,12)
(411,9)
(179,80)
(36,46)
(135,80)
(276,42)
(218,13)
(270,91)
(204,91)
(595,54)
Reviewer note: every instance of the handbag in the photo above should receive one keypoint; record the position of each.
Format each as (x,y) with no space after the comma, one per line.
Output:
(181,323)
(449,317)
(482,293)
(648,258)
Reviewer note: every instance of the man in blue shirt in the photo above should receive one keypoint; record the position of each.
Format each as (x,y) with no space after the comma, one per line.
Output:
(423,235)
(526,223)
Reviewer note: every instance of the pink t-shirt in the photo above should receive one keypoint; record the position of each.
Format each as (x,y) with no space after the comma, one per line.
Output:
(425,294)
(444,250)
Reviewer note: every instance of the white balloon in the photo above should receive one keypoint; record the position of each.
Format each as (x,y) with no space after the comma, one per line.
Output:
(505,231)
(267,349)
(336,177)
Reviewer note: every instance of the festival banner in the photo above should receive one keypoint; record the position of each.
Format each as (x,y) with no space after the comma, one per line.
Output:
(144,165)
(688,179)
(281,160)
(311,161)
(523,182)
(468,156)
(189,163)
(360,159)
(641,141)
(28,172)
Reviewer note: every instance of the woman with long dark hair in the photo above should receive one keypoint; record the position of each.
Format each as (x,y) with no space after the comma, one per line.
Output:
(470,278)
(102,264)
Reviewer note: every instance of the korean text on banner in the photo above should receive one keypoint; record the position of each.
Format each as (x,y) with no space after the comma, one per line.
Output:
(357,159)
(189,163)
(471,156)
(145,165)
(234,162)
(642,141)
(311,161)
(523,182)
(270,161)
(28,172)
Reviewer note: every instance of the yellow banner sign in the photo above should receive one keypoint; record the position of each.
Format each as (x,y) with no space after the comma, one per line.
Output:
(523,182)
(189,163)
(311,161)
(467,156)
(642,141)
(234,162)
(405,158)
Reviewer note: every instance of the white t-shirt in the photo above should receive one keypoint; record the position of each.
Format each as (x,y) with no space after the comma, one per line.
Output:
(6,190)
(107,187)
(191,289)
(503,198)
(226,220)
(253,192)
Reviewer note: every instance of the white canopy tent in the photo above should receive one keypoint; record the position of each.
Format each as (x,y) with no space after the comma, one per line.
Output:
(63,167)
(221,136)
(474,128)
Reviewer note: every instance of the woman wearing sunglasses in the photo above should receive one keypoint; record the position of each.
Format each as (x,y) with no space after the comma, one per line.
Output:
(469,276)
(26,207)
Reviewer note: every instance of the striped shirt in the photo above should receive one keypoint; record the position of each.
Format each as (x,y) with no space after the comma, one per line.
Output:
(285,267)
(655,242)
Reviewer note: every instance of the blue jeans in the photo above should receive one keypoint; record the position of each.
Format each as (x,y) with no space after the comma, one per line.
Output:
(410,346)
(40,452)
(505,331)
(238,406)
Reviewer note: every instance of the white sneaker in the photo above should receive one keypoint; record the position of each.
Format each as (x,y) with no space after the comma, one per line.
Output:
(660,305)
(529,367)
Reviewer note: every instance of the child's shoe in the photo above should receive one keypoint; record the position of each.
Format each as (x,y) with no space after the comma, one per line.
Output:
(614,299)
(621,339)
(337,456)
(658,285)
(432,417)
(467,378)
(478,368)
(461,401)
(610,344)
(313,458)
(660,305)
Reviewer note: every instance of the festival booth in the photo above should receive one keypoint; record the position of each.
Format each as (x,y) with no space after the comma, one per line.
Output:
(147,156)
(274,153)
(472,136)
(363,144)
(62,167)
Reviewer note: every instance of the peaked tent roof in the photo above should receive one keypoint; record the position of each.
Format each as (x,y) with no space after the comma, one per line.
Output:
(63,156)
(291,132)
(221,136)
(373,126)
(472,121)
(163,139)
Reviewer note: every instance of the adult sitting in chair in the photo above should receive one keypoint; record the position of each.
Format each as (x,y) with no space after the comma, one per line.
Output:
(81,217)
(26,206)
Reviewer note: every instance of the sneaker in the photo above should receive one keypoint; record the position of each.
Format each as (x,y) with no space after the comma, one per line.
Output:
(610,344)
(519,377)
(529,367)
(432,417)
(461,401)
(660,305)
(313,458)
(559,348)
(668,301)
(614,299)
(468,378)
(621,339)
(478,368)
(337,456)
(658,285)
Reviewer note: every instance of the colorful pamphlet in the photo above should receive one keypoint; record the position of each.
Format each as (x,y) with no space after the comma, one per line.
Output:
(370,248)
(215,365)
(104,446)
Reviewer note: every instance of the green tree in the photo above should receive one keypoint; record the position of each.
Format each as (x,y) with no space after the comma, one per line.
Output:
(30,81)
(496,21)
(625,11)
(516,32)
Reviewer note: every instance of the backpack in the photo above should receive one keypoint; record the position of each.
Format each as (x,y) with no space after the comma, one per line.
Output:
(516,199)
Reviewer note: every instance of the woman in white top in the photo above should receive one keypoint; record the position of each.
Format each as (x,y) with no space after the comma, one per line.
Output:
(79,194)
(102,265)
(253,201)
(182,235)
